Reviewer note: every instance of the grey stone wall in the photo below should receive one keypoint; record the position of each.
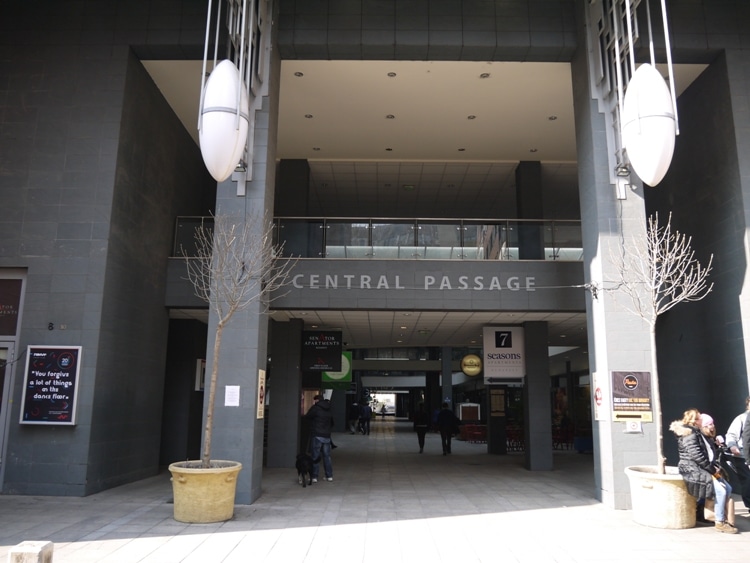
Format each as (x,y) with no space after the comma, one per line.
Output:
(95,168)
(700,345)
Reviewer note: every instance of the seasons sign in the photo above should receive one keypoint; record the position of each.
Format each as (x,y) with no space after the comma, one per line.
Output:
(49,387)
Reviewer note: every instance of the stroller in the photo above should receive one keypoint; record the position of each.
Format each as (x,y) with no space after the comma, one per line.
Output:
(737,472)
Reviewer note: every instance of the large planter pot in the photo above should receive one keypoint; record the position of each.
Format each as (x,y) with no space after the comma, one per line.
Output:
(660,501)
(204,495)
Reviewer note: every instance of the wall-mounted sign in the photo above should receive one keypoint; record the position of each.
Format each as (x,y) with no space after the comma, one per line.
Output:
(341,379)
(10,302)
(631,396)
(321,350)
(261,393)
(49,385)
(504,353)
(471,365)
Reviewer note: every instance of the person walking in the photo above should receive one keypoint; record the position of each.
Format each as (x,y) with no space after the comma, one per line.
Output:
(321,421)
(365,414)
(353,418)
(448,425)
(421,425)
(735,444)
(699,469)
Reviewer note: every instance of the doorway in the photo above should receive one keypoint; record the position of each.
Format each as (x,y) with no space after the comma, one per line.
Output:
(7,356)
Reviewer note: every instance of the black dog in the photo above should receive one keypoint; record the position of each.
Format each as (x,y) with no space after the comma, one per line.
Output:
(304,469)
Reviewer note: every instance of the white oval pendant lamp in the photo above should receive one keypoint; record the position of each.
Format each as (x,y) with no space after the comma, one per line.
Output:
(222,135)
(648,125)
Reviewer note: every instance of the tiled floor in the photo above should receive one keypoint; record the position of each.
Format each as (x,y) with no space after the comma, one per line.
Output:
(387,503)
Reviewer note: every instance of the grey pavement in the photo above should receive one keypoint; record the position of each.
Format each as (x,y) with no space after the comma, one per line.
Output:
(387,503)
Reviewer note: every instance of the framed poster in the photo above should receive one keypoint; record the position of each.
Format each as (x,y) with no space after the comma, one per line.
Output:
(49,385)
(631,396)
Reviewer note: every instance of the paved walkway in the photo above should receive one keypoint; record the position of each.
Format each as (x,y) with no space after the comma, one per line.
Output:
(387,503)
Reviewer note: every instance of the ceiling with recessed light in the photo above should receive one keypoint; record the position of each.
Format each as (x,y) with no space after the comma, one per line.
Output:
(414,139)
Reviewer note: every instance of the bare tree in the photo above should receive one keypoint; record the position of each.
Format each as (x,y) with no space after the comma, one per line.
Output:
(234,264)
(657,272)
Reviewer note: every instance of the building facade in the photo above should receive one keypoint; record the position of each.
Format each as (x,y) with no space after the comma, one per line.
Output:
(96,169)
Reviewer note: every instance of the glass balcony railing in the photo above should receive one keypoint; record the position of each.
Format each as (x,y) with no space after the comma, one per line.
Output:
(414,239)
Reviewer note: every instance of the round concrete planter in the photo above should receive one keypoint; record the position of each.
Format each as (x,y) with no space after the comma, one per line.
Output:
(204,495)
(660,501)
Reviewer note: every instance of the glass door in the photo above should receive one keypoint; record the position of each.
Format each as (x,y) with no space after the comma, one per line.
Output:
(6,360)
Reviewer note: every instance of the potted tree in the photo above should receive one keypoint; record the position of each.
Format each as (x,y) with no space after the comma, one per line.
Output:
(658,272)
(234,263)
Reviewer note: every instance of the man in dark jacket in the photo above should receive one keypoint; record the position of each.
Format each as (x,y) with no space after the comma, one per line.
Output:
(321,421)
(448,425)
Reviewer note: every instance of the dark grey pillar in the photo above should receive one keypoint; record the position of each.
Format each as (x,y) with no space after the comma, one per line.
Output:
(284,384)
(537,406)
(497,437)
(529,206)
(447,373)
(292,188)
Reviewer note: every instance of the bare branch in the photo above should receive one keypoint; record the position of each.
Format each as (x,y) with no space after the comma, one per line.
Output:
(659,271)
(234,265)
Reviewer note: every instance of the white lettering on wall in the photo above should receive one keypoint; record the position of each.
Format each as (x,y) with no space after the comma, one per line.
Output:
(429,282)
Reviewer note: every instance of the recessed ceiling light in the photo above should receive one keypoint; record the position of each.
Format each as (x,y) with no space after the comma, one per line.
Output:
(391,74)
(461,150)
(533,150)
(390,116)
(472,117)
(298,74)
(316,148)
(484,75)
(389,149)
(563,336)
(403,328)
(308,116)
(408,187)
(552,118)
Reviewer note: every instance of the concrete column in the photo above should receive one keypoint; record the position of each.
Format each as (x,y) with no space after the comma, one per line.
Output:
(285,386)
(537,406)
(529,206)
(238,432)
(617,339)
(447,379)
(293,187)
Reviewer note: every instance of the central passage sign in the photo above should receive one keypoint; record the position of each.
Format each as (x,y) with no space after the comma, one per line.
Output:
(321,350)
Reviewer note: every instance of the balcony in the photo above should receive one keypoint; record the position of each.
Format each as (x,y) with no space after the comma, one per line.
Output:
(413,239)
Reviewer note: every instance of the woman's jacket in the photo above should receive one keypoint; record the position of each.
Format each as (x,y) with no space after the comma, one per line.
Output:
(694,466)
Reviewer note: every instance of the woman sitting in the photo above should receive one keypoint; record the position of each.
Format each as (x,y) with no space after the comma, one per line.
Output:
(699,467)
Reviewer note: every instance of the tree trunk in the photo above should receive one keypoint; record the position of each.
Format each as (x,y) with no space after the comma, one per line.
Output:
(656,395)
(206,459)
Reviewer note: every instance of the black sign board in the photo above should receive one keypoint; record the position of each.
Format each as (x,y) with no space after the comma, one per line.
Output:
(49,385)
(321,350)
(10,301)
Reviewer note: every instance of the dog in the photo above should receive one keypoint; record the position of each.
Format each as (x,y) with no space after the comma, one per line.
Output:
(304,466)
